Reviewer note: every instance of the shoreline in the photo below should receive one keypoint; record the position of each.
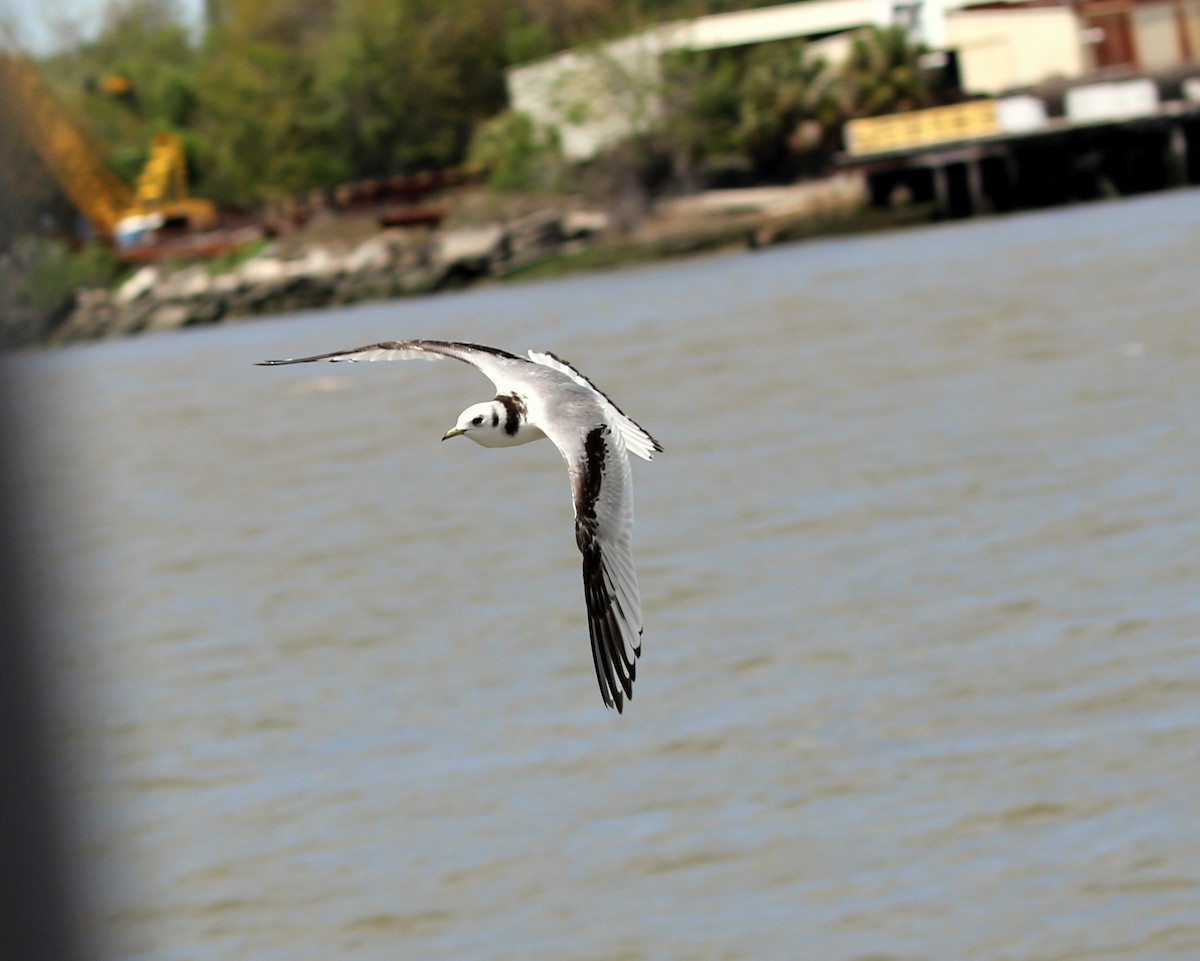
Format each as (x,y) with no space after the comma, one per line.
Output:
(306,271)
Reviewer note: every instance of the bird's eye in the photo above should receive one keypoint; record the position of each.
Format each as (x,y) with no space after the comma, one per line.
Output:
(478,420)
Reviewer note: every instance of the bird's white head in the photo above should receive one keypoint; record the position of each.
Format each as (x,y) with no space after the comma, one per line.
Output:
(497,423)
(484,424)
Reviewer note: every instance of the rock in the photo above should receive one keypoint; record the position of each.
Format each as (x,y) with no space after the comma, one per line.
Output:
(91,317)
(535,232)
(468,244)
(261,270)
(92,298)
(583,223)
(226,284)
(208,311)
(373,254)
(168,317)
(395,263)
(255,299)
(316,262)
(132,318)
(137,286)
(192,283)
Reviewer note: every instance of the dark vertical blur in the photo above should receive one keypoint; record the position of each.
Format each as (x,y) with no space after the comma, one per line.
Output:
(38,914)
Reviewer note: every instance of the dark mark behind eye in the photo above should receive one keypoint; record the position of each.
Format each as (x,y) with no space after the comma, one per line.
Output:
(514,408)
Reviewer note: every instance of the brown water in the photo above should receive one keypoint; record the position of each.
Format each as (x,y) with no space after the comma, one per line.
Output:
(920,568)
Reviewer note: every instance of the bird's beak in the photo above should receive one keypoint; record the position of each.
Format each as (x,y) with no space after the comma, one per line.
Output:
(453,432)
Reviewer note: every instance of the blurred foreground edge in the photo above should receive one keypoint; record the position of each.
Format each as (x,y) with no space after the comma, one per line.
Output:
(39,911)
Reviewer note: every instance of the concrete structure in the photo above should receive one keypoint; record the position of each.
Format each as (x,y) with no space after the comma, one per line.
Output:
(1004,48)
(1116,138)
(592,97)
(1145,35)
(1013,44)
(1112,101)
(597,96)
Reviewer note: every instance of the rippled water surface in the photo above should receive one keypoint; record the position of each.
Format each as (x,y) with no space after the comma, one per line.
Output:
(920,569)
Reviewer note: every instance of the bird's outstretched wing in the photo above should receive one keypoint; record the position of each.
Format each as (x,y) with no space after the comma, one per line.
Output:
(602,488)
(497,365)
(637,439)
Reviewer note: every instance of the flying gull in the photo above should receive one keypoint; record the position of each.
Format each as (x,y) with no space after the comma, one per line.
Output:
(545,396)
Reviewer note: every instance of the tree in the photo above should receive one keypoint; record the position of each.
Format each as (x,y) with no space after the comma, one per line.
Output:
(133,80)
(402,84)
(516,154)
(883,73)
(258,118)
(701,103)
(29,197)
(789,111)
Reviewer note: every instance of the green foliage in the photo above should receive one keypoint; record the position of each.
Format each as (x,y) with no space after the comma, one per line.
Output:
(226,263)
(145,42)
(788,107)
(401,85)
(781,107)
(178,102)
(526,40)
(883,74)
(774,105)
(701,95)
(282,96)
(51,273)
(515,154)
(258,136)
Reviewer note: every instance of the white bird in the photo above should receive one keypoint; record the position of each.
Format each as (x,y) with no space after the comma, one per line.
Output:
(545,396)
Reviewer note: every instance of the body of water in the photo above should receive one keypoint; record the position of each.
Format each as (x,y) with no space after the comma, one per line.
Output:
(920,567)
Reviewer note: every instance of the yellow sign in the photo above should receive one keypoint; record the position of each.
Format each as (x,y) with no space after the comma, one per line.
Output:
(920,128)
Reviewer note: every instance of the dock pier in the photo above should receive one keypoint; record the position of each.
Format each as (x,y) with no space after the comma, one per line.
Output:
(962,161)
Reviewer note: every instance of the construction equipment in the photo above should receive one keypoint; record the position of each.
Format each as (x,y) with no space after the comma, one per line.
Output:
(162,187)
(116,213)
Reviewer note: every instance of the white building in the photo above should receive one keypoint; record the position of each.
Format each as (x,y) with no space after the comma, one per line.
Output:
(596,96)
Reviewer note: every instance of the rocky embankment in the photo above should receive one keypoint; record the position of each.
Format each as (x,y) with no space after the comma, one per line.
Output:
(400,262)
(393,263)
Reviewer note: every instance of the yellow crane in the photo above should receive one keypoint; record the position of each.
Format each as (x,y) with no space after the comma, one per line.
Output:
(115,211)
